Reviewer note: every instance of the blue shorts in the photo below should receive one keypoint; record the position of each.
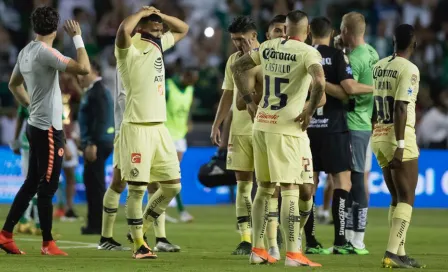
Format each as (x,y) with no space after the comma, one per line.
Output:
(359,142)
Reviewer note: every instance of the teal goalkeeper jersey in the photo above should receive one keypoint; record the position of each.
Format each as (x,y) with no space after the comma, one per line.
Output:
(362,59)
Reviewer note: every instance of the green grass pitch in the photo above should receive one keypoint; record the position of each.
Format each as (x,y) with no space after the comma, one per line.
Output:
(207,243)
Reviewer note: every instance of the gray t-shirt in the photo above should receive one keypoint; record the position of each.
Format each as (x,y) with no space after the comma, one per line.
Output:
(39,65)
(119,96)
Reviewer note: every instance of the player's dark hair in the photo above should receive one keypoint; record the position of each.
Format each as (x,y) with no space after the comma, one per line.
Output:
(77,11)
(242,24)
(151,18)
(404,36)
(45,20)
(296,16)
(278,19)
(95,66)
(321,27)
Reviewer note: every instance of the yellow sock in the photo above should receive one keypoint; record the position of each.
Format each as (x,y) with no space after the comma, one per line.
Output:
(305,209)
(260,209)
(110,207)
(271,229)
(159,226)
(390,215)
(401,251)
(244,209)
(290,219)
(400,223)
(159,201)
(134,214)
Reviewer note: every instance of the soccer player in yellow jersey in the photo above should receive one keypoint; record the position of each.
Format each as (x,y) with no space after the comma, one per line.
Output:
(394,141)
(280,142)
(240,152)
(147,152)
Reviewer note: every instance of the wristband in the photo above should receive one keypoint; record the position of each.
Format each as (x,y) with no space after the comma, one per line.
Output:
(77,40)
(400,143)
(247,98)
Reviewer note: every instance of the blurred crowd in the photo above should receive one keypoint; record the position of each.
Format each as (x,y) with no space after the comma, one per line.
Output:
(207,46)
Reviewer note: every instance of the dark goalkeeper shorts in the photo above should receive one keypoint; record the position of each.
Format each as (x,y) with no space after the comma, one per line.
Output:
(331,152)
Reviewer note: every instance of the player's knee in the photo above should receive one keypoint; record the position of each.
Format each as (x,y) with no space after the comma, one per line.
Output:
(243,176)
(276,192)
(244,187)
(265,191)
(136,191)
(306,191)
(170,190)
(117,184)
(153,187)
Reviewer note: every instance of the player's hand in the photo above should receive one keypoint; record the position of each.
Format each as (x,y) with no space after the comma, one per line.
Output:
(215,136)
(147,10)
(15,146)
(338,43)
(252,109)
(397,159)
(304,118)
(72,28)
(90,153)
(246,46)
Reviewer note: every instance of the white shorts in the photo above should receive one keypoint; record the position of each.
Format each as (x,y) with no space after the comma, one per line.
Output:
(369,152)
(71,145)
(181,145)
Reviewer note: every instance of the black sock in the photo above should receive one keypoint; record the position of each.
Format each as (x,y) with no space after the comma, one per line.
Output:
(349,212)
(338,212)
(162,239)
(359,209)
(310,228)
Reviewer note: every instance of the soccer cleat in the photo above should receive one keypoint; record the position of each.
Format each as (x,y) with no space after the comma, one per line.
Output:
(391,260)
(185,217)
(295,259)
(166,247)
(111,244)
(317,249)
(52,249)
(69,216)
(274,252)
(171,219)
(59,213)
(243,248)
(144,252)
(261,256)
(8,245)
(412,262)
(25,228)
(343,250)
(360,251)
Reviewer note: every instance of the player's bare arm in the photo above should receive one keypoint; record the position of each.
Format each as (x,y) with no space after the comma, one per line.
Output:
(400,117)
(240,73)
(223,110)
(82,65)
(123,39)
(318,87)
(322,101)
(178,28)
(18,90)
(255,79)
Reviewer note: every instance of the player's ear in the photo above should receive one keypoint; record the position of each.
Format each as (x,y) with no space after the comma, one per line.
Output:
(254,35)
(308,30)
(267,35)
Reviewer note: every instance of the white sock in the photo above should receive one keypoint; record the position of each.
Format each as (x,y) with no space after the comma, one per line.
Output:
(349,235)
(358,240)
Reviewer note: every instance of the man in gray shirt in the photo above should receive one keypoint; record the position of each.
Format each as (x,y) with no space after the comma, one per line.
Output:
(37,66)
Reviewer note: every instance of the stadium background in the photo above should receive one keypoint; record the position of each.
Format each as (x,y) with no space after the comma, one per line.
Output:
(206,48)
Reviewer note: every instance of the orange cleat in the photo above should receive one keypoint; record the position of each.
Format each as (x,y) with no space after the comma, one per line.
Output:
(59,213)
(261,256)
(298,259)
(144,252)
(50,248)
(8,244)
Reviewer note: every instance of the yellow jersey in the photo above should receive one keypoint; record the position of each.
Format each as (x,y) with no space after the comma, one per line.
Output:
(142,73)
(285,63)
(395,78)
(241,122)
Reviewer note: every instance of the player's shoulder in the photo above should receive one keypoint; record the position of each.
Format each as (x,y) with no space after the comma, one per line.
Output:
(328,51)
(232,58)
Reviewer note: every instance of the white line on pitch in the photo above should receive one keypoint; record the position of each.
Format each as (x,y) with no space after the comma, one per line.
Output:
(80,244)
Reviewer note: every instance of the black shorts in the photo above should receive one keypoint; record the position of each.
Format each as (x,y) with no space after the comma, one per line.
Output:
(331,152)
(46,153)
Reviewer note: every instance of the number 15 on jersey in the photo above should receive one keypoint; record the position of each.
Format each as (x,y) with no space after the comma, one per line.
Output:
(277,92)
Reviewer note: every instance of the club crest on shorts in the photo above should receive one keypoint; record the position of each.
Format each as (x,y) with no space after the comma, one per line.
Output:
(134,172)
(61,152)
(136,157)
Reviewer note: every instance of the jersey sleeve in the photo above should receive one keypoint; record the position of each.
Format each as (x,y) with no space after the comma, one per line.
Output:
(167,41)
(356,68)
(407,84)
(122,54)
(53,58)
(228,83)
(255,55)
(343,68)
(312,57)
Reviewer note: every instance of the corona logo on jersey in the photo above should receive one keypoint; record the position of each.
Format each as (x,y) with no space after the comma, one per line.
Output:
(270,53)
(378,72)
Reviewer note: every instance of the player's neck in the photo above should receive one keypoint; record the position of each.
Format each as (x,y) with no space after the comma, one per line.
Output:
(404,54)
(357,41)
(45,39)
(256,44)
(321,41)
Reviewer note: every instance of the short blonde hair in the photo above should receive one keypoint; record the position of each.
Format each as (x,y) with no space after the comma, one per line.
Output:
(355,23)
